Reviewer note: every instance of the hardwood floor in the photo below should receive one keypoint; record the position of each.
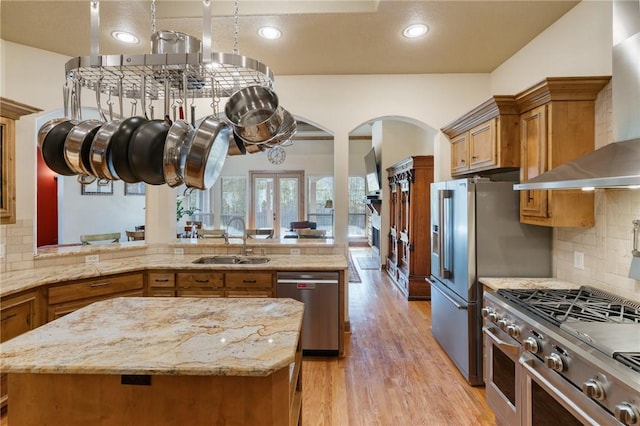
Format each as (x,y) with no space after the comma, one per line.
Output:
(394,373)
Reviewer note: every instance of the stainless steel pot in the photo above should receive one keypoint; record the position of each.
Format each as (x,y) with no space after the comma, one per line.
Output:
(100,151)
(176,148)
(174,42)
(207,153)
(255,113)
(77,146)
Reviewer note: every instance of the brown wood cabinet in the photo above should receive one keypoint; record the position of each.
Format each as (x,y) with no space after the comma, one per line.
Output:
(200,284)
(68,297)
(409,257)
(10,111)
(557,125)
(248,284)
(486,138)
(18,314)
(161,284)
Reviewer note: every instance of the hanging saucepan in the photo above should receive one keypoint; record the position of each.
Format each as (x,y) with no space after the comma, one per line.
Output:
(236,145)
(174,42)
(77,146)
(255,113)
(146,150)
(207,153)
(176,148)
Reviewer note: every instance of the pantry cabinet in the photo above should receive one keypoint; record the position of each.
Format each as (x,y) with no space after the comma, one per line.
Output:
(70,296)
(486,138)
(409,259)
(557,125)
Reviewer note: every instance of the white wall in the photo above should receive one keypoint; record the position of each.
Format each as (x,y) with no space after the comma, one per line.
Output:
(578,44)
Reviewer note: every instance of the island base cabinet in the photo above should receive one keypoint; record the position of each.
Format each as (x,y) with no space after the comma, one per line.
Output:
(87,399)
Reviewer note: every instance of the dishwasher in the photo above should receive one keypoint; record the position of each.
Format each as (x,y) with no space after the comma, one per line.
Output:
(320,293)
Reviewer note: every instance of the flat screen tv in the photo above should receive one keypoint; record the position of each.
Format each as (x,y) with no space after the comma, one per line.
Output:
(373,176)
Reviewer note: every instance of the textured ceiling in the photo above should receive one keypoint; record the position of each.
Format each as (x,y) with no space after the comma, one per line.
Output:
(319,37)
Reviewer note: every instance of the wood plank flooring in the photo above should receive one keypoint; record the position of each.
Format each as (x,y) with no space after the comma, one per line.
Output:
(394,373)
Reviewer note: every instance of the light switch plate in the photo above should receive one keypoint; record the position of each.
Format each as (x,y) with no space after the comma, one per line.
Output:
(294,251)
(3,250)
(178,251)
(578,260)
(92,258)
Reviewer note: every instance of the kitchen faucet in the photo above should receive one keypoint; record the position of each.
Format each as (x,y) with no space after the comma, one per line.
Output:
(245,251)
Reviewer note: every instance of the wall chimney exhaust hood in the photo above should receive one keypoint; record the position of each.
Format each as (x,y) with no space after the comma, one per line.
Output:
(617,164)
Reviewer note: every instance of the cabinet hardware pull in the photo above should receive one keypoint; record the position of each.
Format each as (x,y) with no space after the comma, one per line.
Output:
(8,317)
(249,281)
(202,281)
(100,284)
(165,280)
(474,157)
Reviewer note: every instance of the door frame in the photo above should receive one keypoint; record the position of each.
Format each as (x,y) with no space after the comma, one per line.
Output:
(276,174)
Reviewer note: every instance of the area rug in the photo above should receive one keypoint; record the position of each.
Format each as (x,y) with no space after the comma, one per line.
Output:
(354,277)
(368,262)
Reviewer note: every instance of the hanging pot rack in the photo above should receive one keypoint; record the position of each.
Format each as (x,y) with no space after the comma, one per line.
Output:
(204,72)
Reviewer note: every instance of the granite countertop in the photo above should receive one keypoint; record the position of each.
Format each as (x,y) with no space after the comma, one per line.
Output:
(162,336)
(526,283)
(14,282)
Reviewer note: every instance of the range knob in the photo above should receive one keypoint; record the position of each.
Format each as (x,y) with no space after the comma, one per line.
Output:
(531,344)
(594,389)
(514,331)
(494,316)
(554,362)
(485,312)
(503,323)
(626,413)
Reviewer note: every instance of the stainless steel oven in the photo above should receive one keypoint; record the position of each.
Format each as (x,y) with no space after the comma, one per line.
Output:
(562,357)
(502,375)
(549,399)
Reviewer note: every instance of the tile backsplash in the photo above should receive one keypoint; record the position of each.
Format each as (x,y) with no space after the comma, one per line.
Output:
(606,246)
(18,246)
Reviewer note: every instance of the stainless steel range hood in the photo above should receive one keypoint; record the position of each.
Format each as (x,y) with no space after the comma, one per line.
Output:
(616,164)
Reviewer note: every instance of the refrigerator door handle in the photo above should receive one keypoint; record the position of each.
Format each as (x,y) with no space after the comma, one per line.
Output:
(444,236)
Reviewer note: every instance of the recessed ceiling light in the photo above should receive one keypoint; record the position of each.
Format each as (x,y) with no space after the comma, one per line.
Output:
(415,30)
(270,33)
(125,37)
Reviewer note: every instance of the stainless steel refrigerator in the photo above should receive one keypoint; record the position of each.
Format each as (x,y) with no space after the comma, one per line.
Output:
(476,232)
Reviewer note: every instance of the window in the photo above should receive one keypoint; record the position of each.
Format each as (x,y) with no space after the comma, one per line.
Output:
(357,208)
(320,190)
(233,194)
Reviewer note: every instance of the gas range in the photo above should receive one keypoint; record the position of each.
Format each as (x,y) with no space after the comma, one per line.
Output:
(589,337)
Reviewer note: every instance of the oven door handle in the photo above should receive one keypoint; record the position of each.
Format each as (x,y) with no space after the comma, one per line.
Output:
(509,347)
(563,392)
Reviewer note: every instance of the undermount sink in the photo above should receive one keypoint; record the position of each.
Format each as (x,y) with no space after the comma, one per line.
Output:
(231,260)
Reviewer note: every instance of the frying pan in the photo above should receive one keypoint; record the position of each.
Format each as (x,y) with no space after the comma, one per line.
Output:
(207,153)
(236,146)
(146,151)
(119,165)
(51,141)
(176,148)
(77,146)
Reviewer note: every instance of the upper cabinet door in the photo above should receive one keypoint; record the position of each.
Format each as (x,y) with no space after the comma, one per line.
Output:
(460,154)
(482,145)
(533,125)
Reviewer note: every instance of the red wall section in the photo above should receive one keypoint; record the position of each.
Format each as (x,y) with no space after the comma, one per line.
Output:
(47,204)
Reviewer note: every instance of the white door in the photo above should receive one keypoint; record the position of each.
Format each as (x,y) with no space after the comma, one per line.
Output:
(277,198)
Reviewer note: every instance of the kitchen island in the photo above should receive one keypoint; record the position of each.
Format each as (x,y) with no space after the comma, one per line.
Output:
(155,361)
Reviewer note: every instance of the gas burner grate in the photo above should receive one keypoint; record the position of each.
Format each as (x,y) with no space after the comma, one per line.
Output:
(630,359)
(577,305)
